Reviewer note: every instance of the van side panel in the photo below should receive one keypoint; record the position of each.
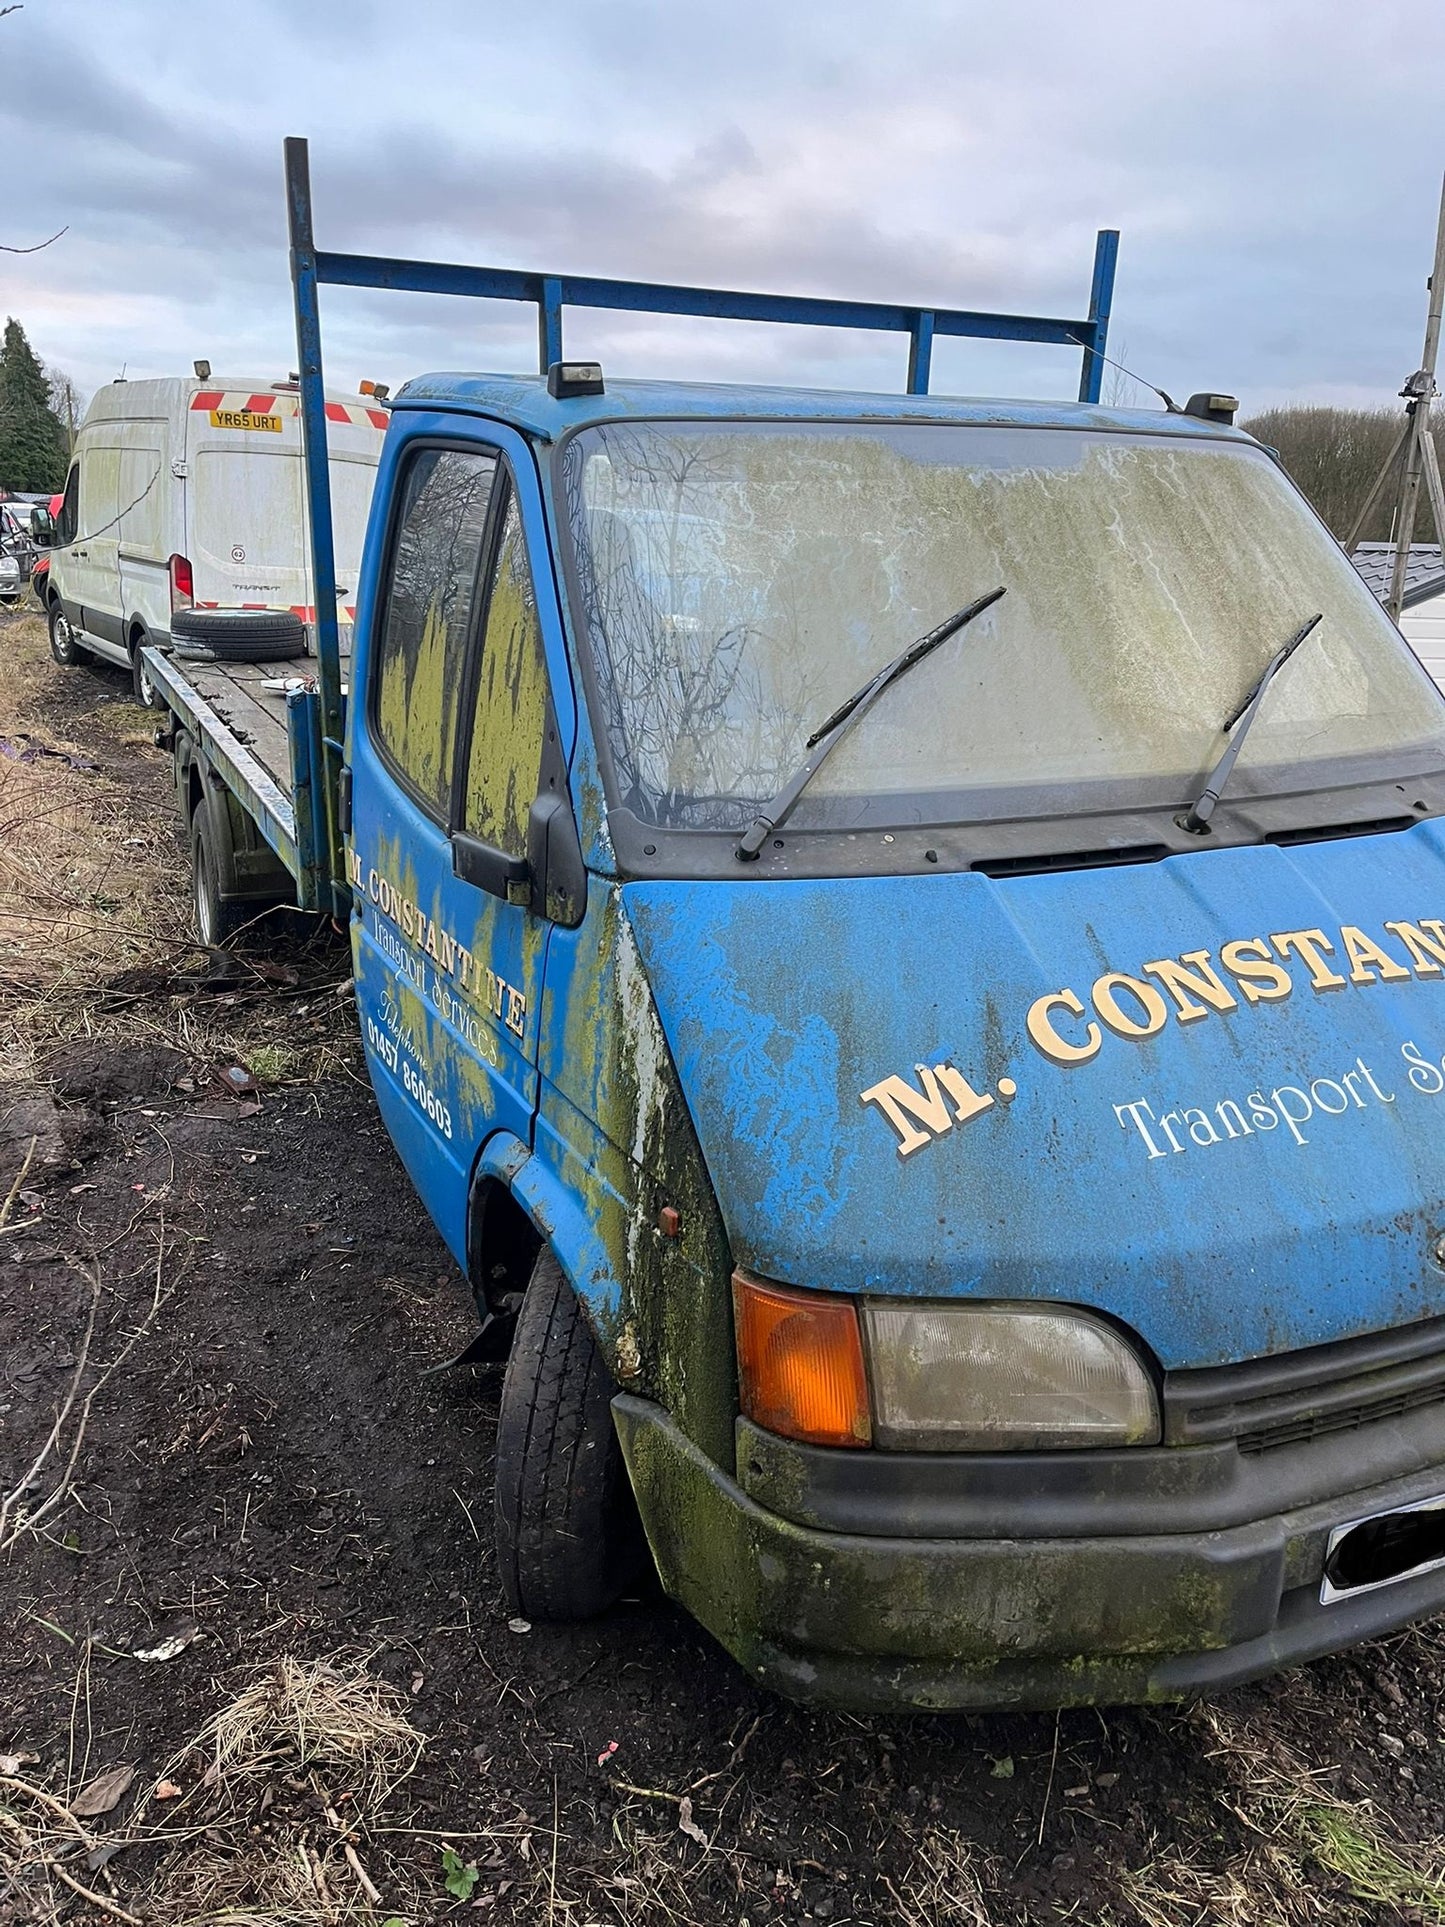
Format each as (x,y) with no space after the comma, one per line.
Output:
(94,575)
(146,486)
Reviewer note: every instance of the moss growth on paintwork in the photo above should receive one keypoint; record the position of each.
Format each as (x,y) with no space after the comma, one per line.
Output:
(511,715)
(635,1153)
(864,1621)
(417,705)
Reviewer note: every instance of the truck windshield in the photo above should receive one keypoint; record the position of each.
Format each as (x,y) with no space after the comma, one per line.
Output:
(737,581)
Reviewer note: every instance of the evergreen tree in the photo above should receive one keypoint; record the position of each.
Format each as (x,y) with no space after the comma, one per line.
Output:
(32,442)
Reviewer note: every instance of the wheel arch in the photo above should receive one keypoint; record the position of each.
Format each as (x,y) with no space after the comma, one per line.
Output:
(511,1183)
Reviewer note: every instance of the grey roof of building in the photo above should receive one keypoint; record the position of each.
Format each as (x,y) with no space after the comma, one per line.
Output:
(1424,570)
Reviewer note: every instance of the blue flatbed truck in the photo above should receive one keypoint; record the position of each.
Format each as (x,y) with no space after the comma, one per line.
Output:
(902,942)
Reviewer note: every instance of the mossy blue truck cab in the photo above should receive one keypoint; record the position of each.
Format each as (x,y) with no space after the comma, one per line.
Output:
(902,942)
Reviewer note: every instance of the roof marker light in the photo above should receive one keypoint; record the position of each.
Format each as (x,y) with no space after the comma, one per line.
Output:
(1213,408)
(568,378)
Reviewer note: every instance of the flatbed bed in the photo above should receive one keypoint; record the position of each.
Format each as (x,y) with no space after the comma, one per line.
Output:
(263,743)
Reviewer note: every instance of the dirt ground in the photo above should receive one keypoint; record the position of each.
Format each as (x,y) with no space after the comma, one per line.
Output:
(263,1523)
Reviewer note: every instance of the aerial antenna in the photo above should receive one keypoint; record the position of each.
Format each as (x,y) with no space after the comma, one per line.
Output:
(1413,457)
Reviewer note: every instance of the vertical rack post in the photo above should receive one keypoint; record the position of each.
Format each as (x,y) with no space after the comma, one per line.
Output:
(1101,302)
(920,352)
(318,495)
(1419,392)
(549,323)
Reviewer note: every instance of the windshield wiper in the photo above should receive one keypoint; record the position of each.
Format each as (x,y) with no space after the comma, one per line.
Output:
(1197,819)
(828,735)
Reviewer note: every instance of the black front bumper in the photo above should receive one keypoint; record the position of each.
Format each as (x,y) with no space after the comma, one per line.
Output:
(950,1581)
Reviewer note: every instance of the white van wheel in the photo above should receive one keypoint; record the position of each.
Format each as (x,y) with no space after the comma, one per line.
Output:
(144,689)
(62,644)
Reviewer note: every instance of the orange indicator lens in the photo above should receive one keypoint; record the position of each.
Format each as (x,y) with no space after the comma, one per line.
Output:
(800,1363)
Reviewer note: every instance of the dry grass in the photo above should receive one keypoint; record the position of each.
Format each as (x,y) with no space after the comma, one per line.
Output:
(946,1883)
(329,1718)
(269,1819)
(95,918)
(293,1775)
(89,886)
(1306,1850)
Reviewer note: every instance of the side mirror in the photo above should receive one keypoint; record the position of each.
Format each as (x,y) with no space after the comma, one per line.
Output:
(554,855)
(42,524)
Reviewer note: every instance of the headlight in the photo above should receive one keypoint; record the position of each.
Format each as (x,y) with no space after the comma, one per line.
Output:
(8,566)
(988,1378)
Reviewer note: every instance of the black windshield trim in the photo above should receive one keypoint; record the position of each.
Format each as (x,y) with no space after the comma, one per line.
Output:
(1027,845)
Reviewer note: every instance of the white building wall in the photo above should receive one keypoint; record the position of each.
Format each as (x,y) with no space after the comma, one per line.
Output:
(1424,629)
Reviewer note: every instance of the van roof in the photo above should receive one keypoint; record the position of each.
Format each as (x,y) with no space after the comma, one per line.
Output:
(122,398)
(523,402)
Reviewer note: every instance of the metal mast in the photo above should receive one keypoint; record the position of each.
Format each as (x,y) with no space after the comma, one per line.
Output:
(1413,454)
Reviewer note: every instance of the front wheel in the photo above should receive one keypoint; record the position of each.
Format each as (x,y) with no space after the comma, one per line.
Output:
(568,1536)
(62,644)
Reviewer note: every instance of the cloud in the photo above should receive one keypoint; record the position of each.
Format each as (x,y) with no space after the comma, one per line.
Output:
(1273,170)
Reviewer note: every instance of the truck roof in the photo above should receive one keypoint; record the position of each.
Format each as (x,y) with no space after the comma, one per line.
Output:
(522,401)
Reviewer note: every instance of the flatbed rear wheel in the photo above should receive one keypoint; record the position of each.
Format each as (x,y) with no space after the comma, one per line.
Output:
(568,1537)
(216,919)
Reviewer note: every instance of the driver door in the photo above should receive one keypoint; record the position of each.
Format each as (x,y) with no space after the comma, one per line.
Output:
(447,754)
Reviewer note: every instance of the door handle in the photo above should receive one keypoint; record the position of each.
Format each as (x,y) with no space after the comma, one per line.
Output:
(80,555)
(491,869)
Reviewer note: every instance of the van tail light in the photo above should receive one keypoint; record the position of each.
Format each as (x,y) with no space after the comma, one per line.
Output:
(182,583)
(800,1363)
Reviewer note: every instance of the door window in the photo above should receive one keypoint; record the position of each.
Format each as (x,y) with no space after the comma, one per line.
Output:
(66,527)
(431,593)
(510,717)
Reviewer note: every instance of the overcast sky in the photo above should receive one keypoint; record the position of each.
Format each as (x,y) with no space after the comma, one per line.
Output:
(1273,165)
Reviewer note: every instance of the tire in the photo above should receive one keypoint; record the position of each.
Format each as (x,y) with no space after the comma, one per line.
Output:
(142,688)
(62,648)
(237,635)
(567,1532)
(216,918)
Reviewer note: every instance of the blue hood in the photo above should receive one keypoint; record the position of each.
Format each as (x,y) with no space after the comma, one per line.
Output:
(945,1086)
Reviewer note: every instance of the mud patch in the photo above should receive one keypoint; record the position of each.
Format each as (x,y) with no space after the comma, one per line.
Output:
(96,1074)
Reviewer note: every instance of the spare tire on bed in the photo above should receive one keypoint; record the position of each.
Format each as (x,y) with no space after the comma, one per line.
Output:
(237,635)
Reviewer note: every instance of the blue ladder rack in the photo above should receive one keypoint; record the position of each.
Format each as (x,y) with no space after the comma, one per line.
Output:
(550,294)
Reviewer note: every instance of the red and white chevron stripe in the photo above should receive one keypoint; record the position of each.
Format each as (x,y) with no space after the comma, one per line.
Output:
(239,401)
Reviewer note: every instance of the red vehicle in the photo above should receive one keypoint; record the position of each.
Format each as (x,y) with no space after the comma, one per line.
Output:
(42,561)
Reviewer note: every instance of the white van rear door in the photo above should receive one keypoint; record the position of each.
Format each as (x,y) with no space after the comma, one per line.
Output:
(247,501)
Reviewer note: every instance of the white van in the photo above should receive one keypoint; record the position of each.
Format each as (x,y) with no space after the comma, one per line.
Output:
(183,521)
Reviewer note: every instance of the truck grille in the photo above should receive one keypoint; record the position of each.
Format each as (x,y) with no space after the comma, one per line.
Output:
(1298,1396)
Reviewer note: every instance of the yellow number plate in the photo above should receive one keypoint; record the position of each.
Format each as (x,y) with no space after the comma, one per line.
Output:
(239,418)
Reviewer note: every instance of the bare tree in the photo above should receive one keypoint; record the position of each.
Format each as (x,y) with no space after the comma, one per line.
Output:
(1121,389)
(1334,454)
(67,404)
